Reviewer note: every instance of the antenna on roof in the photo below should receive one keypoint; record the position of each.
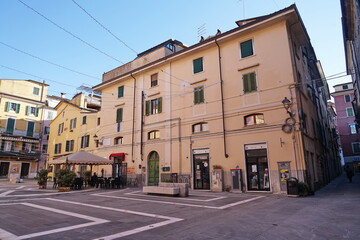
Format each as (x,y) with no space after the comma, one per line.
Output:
(243,2)
(201,30)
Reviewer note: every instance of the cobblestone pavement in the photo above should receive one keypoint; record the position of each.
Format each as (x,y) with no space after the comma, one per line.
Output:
(30,213)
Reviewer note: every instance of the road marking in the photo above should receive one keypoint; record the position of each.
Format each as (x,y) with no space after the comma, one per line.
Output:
(6,193)
(180,198)
(182,204)
(20,187)
(169,220)
(41,194)
(4,235)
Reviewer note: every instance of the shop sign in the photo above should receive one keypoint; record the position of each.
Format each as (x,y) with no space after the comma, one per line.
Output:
(255,146)
(200,151)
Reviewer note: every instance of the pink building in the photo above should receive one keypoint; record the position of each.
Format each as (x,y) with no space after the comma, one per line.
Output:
(347,128)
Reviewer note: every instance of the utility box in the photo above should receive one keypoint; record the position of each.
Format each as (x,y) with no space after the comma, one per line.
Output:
(292,185)
(217,180)
(236,179)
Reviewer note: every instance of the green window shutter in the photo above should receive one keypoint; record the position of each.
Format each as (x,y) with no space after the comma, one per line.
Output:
(17,108)
(147,108)
(30,129)
(198,65)
(201,94)
(160,105)
(27,112)
(246,49)
(8,104)
(119,115)
(37,112)
(246,83)
(252,81)
(10,125)
(67,146)
(120,91)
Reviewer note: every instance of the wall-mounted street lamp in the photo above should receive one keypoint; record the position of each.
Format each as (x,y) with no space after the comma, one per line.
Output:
(290,121)
(287,105)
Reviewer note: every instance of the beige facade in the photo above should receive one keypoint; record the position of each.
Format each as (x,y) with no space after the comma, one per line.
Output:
(73,129)
(22,104)
(218,103)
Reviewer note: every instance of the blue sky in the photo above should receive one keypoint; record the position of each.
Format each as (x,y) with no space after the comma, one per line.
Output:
(141,24)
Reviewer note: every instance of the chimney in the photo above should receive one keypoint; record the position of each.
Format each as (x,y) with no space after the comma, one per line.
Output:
(63,95)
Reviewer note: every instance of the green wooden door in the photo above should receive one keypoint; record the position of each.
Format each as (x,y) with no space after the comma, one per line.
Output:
(153,165)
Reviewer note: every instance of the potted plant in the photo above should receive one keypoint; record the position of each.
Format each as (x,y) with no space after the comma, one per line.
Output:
(65,179)
(42,178)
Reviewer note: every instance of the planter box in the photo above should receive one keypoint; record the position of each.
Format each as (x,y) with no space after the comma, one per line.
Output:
(64,189)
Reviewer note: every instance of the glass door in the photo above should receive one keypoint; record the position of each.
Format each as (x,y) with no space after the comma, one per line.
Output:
(201,171)
(257,170)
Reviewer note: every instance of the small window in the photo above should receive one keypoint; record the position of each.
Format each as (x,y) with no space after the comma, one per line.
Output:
(154,135)
(119,115)
(199,95)
(353,128)
(118,140)
(356,147)
(14,107)
(345,87)
(36,91)
(85,141)
(254,119)
(84,120)
(50,115)
(350,112)
(34,111)
(246,49)
(72,123)
(61,128)
(153,106)
(347,98)
(200,127)
(69,146)
(44,148)
(198,65)
(46,130)
(154,80)
(57,148)
(120,91)
(249,81)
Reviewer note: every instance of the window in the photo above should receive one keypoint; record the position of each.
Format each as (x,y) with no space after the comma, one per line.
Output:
(84,120)
(10,126)
(72,123)
(50,115)
(154,80)
(200,127)
(199,95)
(347,98)
(61,128)
(249,81)
(119,115)
(153,106)
(32,111)
(30,129)
(69,146)
(7,146)
(254,119)
(353,128)
(154,135)
(98,121)
(345,87)
(350,112)
(46,130)
(118,140)
(14,107)
(36,91)
(85,141)
(120,91)
(356,147)
(57,148)
(246,48)
(198,65)
(44,148)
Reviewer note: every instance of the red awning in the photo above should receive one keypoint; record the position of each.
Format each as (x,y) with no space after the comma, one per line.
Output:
(117,155)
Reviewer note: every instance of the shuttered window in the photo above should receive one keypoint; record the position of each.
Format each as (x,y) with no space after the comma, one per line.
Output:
(249,81)
(153,106)
(199,95)
(246,48)
(119,115)
(10,126)
(120,91)
(198,65)
(30,129)
(154,80)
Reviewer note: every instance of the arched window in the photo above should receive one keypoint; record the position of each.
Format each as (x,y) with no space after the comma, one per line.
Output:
(253,119)
(154,134)
(118,140)
(200,127)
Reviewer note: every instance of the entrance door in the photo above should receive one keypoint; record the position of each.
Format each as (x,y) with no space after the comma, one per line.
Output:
(257,170)
(153,165)
(24,170)
(201,171)
(4,169)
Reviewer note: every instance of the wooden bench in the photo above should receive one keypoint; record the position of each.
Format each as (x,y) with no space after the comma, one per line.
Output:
(173,191)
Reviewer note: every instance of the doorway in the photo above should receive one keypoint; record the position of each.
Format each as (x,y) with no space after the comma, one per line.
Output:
(201,171)
(153,165)
(4,169)
(24,170)
(257,170)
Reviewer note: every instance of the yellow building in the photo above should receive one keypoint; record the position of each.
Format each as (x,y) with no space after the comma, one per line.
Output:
(249,101)
(73,129)
(21,108)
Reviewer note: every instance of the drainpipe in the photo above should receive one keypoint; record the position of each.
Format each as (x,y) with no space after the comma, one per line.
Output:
(142,125)
(133,118)
(222,101)
(41,128)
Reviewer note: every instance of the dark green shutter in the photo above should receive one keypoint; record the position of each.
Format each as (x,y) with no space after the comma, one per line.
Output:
(196,96)
(147,108)
(67,146)
(17,108)
(10,125)
(119,114)
(27,110)
(7,106)
(246,83)
(201,94)
(120,91)
(30,129)
(37,112)
(246,49)
(198,65)
(252,82)
(160,105)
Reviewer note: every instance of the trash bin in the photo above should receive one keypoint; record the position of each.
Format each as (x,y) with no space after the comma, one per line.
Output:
(292,185)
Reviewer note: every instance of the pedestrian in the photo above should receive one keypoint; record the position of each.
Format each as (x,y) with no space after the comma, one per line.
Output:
(349,173)
(95,180)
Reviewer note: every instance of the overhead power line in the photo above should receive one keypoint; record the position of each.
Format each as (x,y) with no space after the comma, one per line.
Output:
(44,60)
(70,33)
